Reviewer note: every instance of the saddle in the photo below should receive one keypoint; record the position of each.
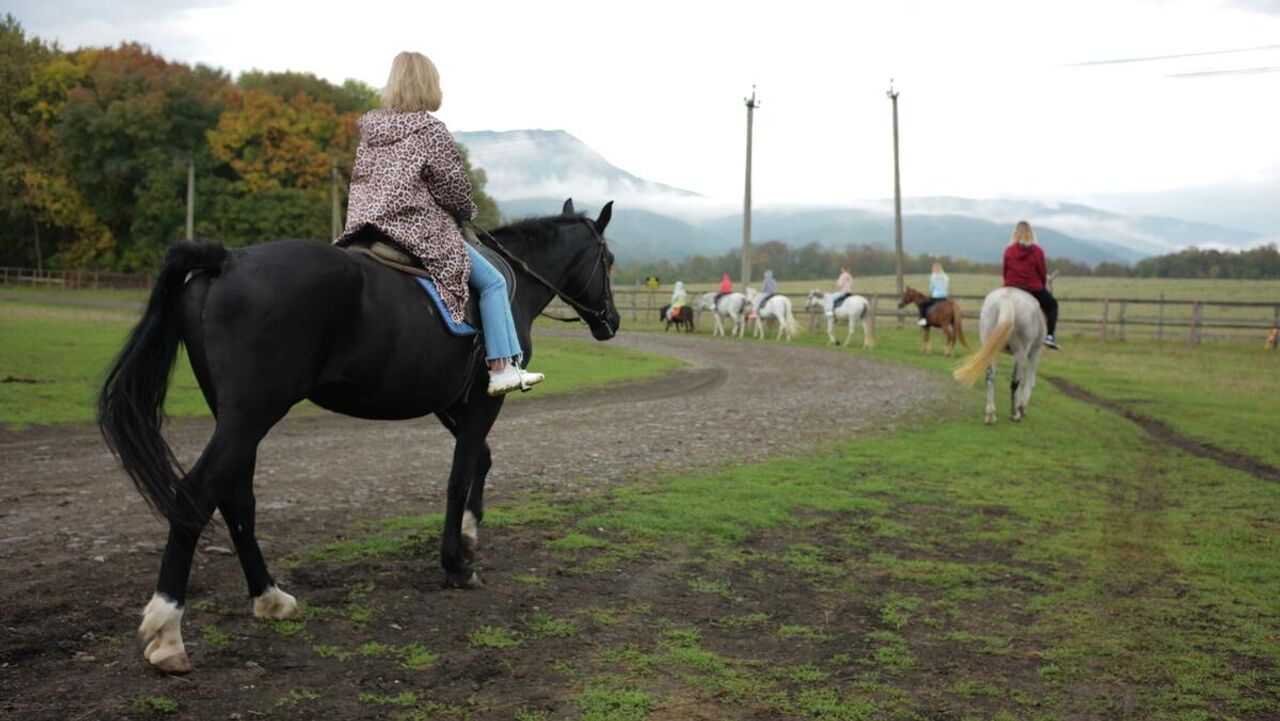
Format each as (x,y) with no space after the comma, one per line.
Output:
(764,299)
(839,299)
(373,244)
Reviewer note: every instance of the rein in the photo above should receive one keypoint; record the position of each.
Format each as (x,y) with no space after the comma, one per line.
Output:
(600,315)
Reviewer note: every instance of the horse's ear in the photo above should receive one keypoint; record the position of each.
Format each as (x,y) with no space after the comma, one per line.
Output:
(605,214)
(568,207)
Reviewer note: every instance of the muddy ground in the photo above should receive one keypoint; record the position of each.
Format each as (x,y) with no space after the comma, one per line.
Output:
(78,551)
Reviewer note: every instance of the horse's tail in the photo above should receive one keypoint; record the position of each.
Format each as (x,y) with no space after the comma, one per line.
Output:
(131,403)
(868,326)
(968,371)
(792,326)
(958,318)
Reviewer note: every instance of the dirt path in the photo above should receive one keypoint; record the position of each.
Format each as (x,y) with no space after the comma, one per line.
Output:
(1163,433)
(78,551)
(65,498)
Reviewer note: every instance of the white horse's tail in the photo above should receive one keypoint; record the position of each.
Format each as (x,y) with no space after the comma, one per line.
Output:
(868,327)
(792,326)
(974,366)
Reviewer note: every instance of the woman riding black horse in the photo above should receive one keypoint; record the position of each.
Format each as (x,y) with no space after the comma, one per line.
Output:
(270,325)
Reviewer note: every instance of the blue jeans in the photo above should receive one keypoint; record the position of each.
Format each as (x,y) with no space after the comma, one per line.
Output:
(499,328)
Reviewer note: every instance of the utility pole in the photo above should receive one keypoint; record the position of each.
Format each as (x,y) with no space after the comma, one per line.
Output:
(191,197)
(897,198)
(335,219)
(752,104)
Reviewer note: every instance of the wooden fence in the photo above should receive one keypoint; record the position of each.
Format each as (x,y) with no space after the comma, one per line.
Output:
(1107,319)
(74,279)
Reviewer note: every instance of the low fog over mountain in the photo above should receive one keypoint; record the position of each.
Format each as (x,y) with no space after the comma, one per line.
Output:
(531,172)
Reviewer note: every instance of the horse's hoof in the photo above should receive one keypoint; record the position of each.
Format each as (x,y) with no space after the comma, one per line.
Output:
(276,605)
(471,582)
(161,631)
(991,419)
(167,659)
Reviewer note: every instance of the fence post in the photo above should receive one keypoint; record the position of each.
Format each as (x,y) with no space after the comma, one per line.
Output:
(634,293)
(1124,305)
(1160,323)
(1102,331)
(1193,337)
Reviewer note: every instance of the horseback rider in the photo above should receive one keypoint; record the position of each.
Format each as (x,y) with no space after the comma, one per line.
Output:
(844,289)
(1025,268)
(679,298)
(768,287)
(410,185)
(939,284)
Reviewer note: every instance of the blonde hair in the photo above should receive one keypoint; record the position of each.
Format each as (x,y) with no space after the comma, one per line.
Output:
(413,85)
(937,268)
(1023,234)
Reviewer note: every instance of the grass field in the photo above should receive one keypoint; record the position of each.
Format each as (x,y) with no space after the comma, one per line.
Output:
(1068,567)
(52,359)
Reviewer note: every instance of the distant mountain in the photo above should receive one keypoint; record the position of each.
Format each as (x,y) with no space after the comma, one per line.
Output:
(531,172)
(553,163)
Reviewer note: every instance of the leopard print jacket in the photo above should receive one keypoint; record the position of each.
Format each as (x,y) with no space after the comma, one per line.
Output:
(409,183)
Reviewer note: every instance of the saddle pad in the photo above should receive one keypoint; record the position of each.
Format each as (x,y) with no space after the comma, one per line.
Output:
(840,299)
(465,328)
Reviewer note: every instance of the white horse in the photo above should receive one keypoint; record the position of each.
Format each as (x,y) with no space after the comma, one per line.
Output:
(855,308)
(731,305)
(1011,321)
(778,308)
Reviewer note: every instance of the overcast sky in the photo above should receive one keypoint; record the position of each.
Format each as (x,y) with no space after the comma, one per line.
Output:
(1055,100)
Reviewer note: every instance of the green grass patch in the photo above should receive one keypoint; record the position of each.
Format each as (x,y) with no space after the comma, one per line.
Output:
(296,697)
(544,625)
(157,704)
(613,704)
(404,699)
(493,637)
(214,636)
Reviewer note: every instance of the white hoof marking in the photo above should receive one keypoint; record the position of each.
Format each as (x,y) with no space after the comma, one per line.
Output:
(161,630)
(470,530)
(275,604)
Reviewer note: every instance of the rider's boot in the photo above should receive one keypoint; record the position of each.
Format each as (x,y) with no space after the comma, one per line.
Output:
(512,378)
(1049,342)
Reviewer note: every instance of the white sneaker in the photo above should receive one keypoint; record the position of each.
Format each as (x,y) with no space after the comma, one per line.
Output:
(923,322)
(512,378)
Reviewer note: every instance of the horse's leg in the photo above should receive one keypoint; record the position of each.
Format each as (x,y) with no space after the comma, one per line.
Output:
(238,507)
(473,423)
(928,344)
(474,513)
(949,349)
(228,457)
(831,330)
(1028,381)
(991,393)
(1019,371)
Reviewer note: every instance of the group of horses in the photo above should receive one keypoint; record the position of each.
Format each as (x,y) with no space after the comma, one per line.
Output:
(270,325)
(738,310)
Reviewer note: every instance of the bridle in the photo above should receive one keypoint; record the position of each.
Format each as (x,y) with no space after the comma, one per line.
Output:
(601,315)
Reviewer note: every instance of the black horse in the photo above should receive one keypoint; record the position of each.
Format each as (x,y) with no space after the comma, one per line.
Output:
(682,318)
(269,325)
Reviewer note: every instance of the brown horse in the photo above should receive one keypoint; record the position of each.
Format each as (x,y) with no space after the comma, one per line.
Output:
(944,314)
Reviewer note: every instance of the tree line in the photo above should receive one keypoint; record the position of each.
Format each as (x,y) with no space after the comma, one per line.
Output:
(1254,264)
(95,145)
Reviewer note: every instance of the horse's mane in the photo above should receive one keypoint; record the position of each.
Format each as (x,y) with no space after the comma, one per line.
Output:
(540,228)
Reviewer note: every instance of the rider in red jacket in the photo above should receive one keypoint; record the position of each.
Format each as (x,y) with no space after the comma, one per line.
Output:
(1024,267)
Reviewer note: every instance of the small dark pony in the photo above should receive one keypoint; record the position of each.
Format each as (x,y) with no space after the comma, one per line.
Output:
(682,319)
(275,323)
(944,314)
